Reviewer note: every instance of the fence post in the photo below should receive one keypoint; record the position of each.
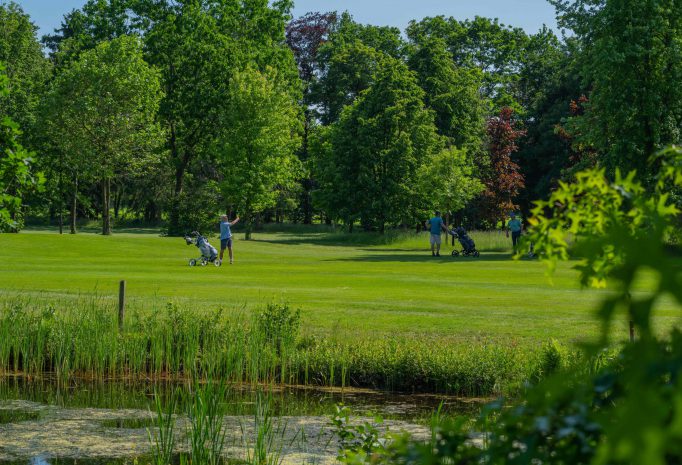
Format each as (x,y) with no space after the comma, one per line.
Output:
(121,304)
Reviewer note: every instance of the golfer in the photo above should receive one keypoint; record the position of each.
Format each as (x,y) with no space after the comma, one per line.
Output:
(226,236)
(516,227)
(437,224)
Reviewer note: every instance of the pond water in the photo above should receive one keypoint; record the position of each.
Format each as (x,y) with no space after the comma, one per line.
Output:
(43,421)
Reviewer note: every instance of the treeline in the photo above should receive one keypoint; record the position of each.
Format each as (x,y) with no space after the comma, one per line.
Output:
(170,112)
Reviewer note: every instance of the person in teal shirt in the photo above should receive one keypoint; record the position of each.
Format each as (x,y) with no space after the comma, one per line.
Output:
(436,224)
(226,237)
(516,227)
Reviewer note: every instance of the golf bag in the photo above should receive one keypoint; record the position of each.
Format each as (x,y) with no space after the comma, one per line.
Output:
(209,254)
(467,243)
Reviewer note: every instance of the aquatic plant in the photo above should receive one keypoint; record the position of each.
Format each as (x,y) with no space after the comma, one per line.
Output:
(179,342)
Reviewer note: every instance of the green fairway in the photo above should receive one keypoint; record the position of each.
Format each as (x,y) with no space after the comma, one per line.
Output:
(340,287)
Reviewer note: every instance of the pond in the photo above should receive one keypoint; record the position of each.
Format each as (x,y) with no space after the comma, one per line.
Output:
(44,421)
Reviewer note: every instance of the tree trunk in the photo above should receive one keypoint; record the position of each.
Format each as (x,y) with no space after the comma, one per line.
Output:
(61,201)
(106,217)
(74,205)
(118,196)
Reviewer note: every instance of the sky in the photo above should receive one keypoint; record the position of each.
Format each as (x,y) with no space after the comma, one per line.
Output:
(528,14)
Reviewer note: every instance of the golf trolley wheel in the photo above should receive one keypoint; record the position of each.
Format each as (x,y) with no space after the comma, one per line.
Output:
(203,263)
(455,253)
(193,262)
(476,253)
(218,262)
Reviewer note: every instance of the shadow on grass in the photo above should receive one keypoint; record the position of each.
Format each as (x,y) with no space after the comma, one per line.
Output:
(426,258)
(93,230)
(333,239)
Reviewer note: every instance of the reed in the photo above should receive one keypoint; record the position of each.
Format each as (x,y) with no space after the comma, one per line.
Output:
(82,339)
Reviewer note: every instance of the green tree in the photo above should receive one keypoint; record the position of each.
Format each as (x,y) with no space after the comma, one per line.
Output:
(630,56)
(452,93)
(258,144)
(347,62)
(376,149)
(198,46)
(548,83)
(28,70)
(16,177)
(483,43)
(447,182)
(83,29)
(102,109)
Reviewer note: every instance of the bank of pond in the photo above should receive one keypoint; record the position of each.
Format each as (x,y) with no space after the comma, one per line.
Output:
(266,346)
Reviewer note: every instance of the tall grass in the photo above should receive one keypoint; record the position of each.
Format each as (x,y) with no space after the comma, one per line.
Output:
(266,447)
(82,339)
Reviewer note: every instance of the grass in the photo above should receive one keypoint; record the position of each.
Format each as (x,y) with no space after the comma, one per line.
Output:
(341,283)
(376,311)
(82,339)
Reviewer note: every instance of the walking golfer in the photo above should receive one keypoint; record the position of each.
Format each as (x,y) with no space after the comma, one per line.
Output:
(436,223)
(226,236)
(515,226)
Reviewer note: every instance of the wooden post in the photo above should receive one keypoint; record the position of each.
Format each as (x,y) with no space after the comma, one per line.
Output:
(121,304)
(632,331)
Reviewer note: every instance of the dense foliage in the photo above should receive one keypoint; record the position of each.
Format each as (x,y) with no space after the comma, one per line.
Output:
(16,176)
(482,104)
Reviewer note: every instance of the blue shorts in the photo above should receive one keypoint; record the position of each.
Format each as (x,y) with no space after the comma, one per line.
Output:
(225,243)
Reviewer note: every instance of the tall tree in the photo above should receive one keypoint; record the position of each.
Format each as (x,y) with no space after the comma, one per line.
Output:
(83,29)
(483,43)
(257,147)
(376,149)
(305,36)
(504,180)
(548,82)
(16,175)
(347,63)
(103,105)
(25,65)
(630,57)
(198,46)
(452,93)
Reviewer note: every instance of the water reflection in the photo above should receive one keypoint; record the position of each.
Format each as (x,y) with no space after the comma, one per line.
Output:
(240,400)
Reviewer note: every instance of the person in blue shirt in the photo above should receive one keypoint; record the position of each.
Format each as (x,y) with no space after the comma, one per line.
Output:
(516,227)
(226,236)
(436,225)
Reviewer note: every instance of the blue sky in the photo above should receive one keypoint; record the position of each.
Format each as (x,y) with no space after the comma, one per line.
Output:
(528,14)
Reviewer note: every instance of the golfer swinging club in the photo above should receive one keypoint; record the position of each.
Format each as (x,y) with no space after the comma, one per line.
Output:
(226,236)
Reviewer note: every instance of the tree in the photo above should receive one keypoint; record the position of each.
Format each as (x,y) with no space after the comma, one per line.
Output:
(16,176)
(257,147)
(347,63)
(102,109)
(83,29)
(492,47)
(452,93)
(504,180)
(305,36)
(630,57)
(548,83)
(376,149)
(26,67)
(198,46)
(449,181)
